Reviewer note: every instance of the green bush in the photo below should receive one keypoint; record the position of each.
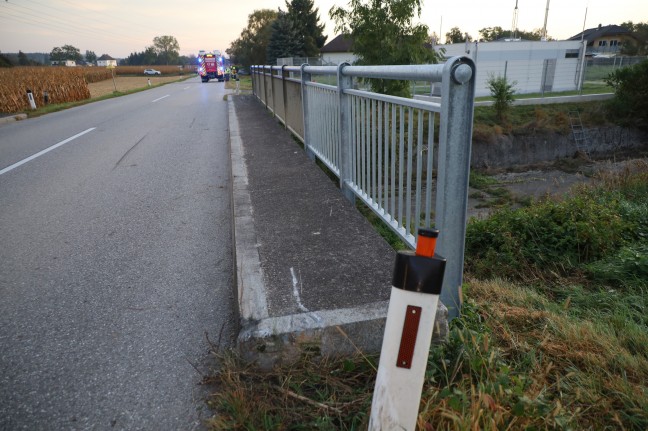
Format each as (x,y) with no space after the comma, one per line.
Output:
(630,103)
(546,237)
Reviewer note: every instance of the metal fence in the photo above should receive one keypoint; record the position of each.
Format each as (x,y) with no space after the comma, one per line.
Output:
(387,150)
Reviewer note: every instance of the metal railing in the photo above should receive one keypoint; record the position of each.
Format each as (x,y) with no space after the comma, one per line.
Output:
(384,149)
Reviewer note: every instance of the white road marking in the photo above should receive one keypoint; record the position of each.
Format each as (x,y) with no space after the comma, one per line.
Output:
(46,150)
(296,291)
(186,88)
(163,97)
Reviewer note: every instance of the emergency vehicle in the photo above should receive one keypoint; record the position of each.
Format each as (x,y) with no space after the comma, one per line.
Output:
(210,66)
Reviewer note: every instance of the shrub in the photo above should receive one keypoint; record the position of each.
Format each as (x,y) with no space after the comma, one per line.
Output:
(549,236)
(502,91)
(630,103)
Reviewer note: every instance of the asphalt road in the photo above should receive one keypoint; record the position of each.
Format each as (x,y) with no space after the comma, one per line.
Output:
(115,260)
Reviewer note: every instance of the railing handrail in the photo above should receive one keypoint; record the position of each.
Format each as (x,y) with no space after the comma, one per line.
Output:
(420,72)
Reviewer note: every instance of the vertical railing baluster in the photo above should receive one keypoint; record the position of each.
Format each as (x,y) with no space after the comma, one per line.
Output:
(410,150)
(419,169)
(379,150)
(430,167)
(393,163)
(401,167)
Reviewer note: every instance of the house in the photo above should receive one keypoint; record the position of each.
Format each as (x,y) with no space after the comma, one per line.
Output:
(535,66)
(338,51)
(106,61)
(605,40)
(69,63)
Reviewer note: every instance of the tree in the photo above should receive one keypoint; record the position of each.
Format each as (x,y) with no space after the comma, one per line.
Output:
(640,33)
(455,35)
(90,57)
(66,52)
(305,21)
(167,49)
(284,40)
(630,103)
(5,61)
(251,47)
(383,32)
(22,59)
(489,34)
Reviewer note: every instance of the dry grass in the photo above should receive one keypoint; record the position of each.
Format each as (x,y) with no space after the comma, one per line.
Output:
(165,70)
(127,83)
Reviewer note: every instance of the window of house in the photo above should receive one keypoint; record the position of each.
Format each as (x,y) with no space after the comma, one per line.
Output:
(614,43)
(602,43)
(571,53)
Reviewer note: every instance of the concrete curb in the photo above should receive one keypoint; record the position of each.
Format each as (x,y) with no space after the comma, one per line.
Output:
(269,340)
(12,118)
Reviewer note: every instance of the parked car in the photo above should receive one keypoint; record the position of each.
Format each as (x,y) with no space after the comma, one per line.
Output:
(152,72)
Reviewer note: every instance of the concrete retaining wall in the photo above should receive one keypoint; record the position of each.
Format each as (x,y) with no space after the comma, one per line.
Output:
(508,151)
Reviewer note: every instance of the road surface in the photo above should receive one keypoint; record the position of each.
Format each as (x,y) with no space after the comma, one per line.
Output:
(115,260)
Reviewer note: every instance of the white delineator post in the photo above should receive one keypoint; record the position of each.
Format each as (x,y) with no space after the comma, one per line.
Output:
(416,285)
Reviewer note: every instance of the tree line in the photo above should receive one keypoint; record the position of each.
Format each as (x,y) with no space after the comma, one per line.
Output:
(488,34)
(164,51)
(270,34)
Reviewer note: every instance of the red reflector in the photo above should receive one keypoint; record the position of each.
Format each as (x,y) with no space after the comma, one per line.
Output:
(408,337)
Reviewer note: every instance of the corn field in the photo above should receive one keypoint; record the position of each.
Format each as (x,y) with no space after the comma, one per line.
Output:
(62,84)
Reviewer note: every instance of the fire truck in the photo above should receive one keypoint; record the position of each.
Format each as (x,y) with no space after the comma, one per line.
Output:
(210,66)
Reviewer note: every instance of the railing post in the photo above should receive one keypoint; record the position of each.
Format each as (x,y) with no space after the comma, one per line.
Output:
(272,92)
(265,87)
(306,77)
(344,140)
(253,76)
(455,136)
(285,95)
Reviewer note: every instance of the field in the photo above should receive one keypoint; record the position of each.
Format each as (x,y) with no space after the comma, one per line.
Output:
(127,83)
(73,84)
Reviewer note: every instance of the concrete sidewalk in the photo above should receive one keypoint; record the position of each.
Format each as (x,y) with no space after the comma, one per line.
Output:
(312,273)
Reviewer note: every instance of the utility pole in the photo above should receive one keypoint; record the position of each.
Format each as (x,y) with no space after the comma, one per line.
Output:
(544,28)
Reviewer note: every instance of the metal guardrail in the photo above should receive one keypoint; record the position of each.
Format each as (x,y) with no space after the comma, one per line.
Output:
(385,149)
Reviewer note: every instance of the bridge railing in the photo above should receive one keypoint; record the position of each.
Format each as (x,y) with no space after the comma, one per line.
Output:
(408,160)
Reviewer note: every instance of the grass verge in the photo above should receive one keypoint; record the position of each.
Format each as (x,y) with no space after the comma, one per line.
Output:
(47,109)
(559,341)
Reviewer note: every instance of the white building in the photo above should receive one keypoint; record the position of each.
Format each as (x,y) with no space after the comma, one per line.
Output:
(69,63)
(337,51)
(554,65)
(106,61)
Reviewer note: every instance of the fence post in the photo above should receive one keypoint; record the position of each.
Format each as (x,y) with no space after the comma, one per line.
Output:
(346,149)
(272,91)
(285,95)
(306,77)
(265,86)
(455,135)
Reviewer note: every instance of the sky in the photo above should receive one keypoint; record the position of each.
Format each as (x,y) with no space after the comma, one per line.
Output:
(121,27)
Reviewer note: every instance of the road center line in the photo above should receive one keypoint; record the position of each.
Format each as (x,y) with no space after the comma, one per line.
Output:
(46,150)
(163,97)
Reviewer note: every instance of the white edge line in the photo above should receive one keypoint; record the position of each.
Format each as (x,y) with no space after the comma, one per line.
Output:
(46,150)
(163,97)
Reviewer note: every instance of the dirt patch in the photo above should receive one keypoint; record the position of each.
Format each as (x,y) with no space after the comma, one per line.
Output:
(128,83)
(513,189)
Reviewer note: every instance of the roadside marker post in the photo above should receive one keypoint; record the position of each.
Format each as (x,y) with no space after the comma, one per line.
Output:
(30,97)
(416,286)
